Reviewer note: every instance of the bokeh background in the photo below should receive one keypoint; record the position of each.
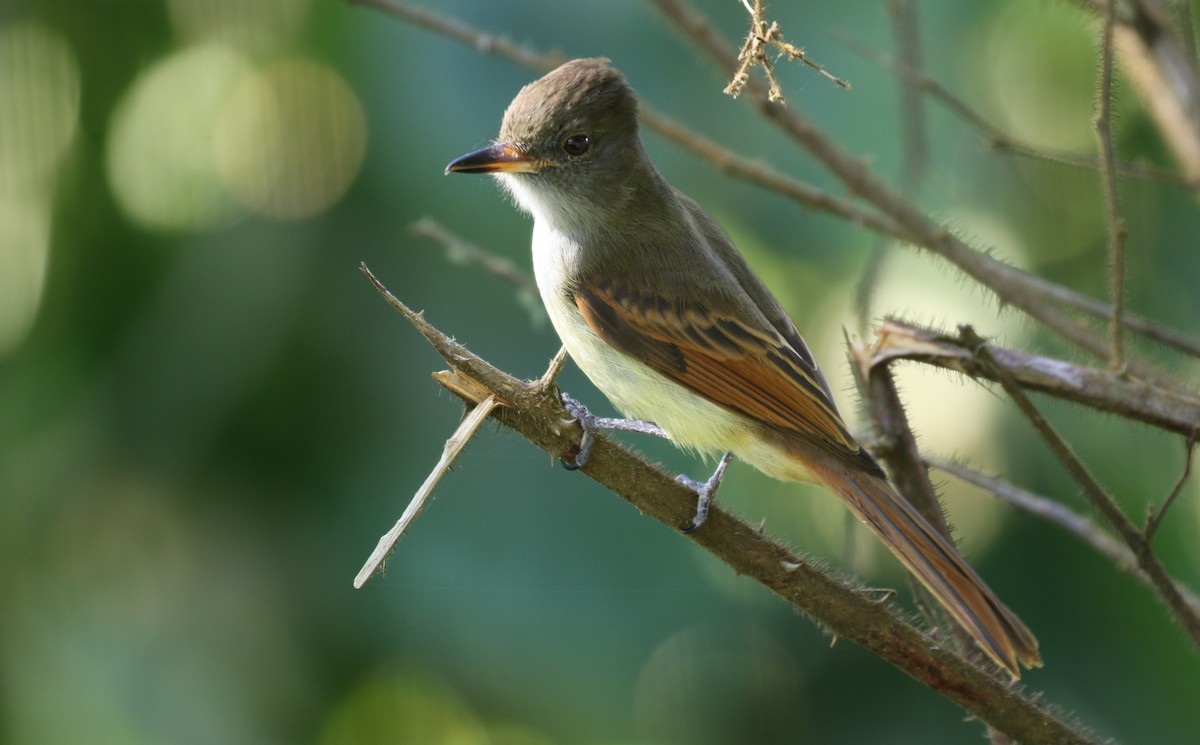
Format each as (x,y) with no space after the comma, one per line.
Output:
(208,416)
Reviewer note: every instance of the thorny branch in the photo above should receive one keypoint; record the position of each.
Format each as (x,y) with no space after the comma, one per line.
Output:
(754,51)
(1010,285)
(1064,517)
(1108,180)
(1001,140)
(1163,71)
(847,611)
(1148,396)
(1101,389)
(1154,517)
(1098,388)
(1136,540)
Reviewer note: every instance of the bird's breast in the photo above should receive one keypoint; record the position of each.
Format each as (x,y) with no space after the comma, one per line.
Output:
(637,391)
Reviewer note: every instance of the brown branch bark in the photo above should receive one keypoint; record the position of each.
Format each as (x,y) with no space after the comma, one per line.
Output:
(1010,285)
(1137,541)
(1098,388)
(533,410)
(1164,73)
(896,445)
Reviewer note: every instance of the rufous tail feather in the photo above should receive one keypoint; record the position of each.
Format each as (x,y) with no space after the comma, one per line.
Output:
(934,561)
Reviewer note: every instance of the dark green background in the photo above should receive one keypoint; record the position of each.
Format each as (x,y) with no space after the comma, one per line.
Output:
(205,431)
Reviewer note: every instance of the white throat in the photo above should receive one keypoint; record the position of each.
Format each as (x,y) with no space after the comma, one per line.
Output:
(539,203)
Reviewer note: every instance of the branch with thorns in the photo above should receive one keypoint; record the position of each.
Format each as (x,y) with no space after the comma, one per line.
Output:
(754,54)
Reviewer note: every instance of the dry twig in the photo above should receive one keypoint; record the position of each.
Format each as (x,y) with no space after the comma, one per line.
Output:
(754,54)
(455,445)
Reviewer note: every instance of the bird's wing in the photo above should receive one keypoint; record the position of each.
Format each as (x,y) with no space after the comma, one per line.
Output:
(752,371)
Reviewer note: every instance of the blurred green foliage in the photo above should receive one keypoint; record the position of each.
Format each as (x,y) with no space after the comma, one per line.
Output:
(207,416)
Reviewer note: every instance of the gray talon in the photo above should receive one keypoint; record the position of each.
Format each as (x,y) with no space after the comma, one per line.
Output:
(705,491)
(587,423)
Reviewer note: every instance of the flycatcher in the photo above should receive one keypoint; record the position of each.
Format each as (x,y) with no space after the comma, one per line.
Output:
(662,313)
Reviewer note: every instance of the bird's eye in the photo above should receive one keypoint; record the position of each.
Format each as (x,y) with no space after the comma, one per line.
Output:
(577,145)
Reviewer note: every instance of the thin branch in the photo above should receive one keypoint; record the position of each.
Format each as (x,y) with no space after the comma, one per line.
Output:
(896,445)
(461,250)
(1163,72)
(903,14)
(455,445)
(1001,140)
(1010,285)
(1098,309)
(761,174)
(845,610)
(988,271)
(1155,518)
(1098,388)
(1062,516)
(1095,493)
(1108,180)
(720,157)
(454,29)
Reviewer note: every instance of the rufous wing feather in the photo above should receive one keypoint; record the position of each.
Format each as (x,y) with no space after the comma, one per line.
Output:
(752,371)
(762,374)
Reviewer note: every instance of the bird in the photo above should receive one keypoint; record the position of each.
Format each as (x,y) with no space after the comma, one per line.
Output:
(657,307)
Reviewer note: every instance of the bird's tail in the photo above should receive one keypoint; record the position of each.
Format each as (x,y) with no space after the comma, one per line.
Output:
(934,561)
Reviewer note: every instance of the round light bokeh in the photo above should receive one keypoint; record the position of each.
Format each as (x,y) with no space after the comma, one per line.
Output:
(290,140)
(39,117)
(160,149)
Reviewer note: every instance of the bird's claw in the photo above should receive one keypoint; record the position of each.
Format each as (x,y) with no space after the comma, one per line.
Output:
(587,423)
(705,491)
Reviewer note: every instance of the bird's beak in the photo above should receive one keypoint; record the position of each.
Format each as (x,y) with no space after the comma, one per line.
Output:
(499,158)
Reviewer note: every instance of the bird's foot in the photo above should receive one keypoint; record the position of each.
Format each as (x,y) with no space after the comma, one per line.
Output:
(588,423)
(705,491)
(593,424)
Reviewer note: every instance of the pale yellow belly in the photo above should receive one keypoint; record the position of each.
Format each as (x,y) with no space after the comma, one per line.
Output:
(690,421)
(637,391)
